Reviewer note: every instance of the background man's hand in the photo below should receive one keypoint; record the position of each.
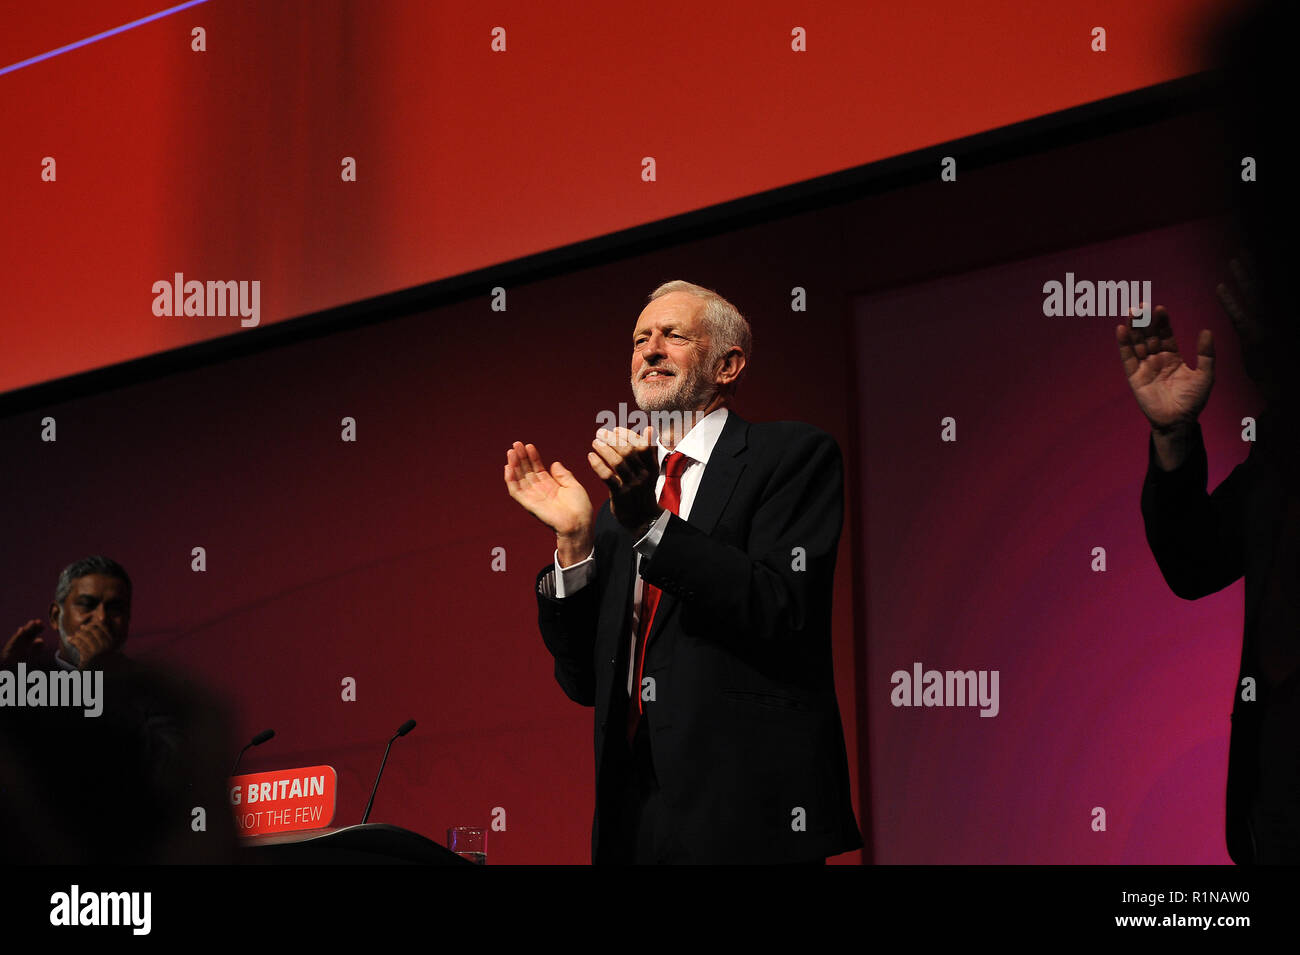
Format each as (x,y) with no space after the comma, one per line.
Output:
(88,644)
(1241,304)
(1261,355)
(628,463)
(1169,392)
(554,497)
(24,646)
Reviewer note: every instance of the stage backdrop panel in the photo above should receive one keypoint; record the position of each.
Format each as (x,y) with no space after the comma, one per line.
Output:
(398,560)
(227,164)
(1113,692)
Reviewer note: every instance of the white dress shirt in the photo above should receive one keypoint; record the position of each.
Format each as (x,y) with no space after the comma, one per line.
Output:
(697,446)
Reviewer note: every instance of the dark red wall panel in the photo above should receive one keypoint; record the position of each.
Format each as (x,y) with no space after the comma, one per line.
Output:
(225,164)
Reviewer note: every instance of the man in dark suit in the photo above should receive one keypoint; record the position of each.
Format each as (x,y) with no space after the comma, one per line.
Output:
(1249,526)
(694,610)
(119,786)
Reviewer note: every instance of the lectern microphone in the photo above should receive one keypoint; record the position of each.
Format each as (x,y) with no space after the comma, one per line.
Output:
(257,740)
(401,731)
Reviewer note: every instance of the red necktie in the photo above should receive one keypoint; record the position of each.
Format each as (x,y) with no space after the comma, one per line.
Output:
(669,499)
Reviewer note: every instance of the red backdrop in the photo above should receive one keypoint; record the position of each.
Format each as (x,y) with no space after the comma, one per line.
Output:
(372,560)
(225,165)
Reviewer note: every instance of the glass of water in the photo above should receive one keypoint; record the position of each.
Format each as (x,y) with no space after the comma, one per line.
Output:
(468,842)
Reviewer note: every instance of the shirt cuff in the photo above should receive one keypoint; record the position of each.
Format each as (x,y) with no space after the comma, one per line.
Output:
(569,580)
(646,545)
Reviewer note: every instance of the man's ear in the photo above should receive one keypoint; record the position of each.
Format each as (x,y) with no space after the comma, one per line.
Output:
(55,612)
(734,358)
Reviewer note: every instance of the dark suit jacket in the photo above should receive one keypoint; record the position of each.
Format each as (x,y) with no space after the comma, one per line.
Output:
(1204,542)
(744,726)
(118,788)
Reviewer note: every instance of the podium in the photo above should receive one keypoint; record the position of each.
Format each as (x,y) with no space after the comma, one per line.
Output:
(370,844)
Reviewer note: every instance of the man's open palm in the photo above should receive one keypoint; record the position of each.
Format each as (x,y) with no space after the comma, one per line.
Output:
(1168,391)
(554,497)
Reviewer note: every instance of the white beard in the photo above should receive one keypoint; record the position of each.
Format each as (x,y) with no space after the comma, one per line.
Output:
(687,393)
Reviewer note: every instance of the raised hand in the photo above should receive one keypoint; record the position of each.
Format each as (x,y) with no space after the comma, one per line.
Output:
(1242,304)
(1169,392)
(24,646)
(554,497)
(1262,355)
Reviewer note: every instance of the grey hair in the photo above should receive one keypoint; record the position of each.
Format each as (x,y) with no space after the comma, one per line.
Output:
(85,567)
(727,328)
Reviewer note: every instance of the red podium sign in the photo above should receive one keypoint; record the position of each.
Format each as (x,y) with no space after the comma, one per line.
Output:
(283,800)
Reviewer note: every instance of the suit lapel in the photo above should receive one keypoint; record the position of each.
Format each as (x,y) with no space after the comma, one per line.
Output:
(720,476)
(618,602)
(615,621)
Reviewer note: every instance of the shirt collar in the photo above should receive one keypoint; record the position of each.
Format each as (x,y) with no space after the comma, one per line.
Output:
(701,439)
